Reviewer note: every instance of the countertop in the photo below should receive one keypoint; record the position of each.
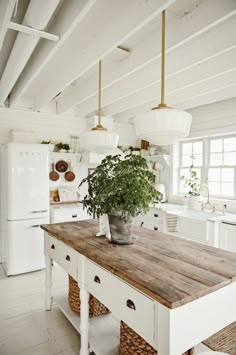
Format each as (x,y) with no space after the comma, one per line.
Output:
(171,270)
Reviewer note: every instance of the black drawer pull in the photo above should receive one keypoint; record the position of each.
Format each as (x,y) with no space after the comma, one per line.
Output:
(36,226)
(52,246)
(130,304)
(155,228)
(155,214)
(68,258)
(74,215)
(97,280)
(142,223)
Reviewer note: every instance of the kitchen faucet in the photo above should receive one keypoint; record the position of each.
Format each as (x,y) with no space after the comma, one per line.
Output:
(207,203)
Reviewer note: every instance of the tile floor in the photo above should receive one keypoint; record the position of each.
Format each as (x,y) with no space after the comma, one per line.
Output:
(25,327)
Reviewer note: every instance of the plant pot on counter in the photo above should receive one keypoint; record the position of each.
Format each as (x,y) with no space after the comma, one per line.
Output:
(194,202)
(121,231)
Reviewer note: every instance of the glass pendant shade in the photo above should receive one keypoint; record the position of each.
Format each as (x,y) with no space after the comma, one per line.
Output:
(163,126)
(99,141)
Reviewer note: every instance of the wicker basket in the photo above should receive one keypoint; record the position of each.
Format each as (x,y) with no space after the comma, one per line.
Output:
(133,344)
(96,308)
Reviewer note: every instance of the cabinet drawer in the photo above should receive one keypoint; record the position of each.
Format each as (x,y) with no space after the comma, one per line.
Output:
(127,303)
(65,256)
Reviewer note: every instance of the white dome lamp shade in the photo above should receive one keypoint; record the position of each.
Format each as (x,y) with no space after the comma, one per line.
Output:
(163,125)
(99,139)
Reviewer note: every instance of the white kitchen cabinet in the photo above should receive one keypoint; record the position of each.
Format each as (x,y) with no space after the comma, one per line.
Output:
(227,238)
(152,220)
(68,213)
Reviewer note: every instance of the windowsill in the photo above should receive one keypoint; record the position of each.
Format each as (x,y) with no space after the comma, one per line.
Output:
(231,204)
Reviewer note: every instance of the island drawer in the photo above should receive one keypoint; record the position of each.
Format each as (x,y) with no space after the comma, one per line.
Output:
(63,255)
(127,303)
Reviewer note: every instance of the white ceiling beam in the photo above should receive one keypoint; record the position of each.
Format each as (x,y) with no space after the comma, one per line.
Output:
(32,31)
(6,10)
(186,97)
(179,32)
(193,76)
(69,17)
(187,58)
(96,38)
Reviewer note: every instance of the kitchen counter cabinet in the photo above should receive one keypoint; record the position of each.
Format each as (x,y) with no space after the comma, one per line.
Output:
(178,287)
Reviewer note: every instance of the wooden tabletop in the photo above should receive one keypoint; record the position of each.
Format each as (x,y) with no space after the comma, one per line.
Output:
(171,270)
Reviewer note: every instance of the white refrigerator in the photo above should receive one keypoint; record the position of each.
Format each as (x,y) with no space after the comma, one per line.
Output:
(24,206)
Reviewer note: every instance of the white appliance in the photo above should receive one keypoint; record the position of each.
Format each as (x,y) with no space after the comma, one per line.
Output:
(24,206)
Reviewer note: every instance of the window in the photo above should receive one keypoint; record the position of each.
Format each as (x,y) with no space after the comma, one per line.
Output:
(214,160)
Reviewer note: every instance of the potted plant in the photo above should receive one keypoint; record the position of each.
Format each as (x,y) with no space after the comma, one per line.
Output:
(62,147)
(194,184)
(122,189)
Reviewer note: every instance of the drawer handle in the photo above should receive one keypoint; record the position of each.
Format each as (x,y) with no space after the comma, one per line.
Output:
(155,214)
(68,258)
(52,246)
(141,224)
(97,280)
(74,215)
(36,226)
(155,228)
(130,304)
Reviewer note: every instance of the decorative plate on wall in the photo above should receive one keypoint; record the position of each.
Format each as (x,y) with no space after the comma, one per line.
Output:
(61,166)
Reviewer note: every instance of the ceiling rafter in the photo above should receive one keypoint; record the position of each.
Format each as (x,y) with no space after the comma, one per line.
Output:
(94,44)
(69,17)
(6,10)
(180,32)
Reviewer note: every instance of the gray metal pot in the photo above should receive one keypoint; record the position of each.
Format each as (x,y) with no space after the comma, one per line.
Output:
(121,232)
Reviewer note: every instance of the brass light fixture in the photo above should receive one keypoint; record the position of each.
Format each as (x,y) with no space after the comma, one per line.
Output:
(163,125)
(99,139)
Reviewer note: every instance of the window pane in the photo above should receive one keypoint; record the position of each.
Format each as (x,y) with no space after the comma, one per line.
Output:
(227,189)
(214,174)
(198,160)
(230,158)
(187,148)
(216,159)
(187,160)
(227,175)
(216,145)
(230,144)
(183,188)
(197,147)
(214,188)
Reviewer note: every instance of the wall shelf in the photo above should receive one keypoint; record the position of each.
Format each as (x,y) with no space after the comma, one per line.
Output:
(150,158)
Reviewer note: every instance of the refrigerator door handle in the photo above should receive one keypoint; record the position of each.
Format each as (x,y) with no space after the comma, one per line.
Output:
(41,211)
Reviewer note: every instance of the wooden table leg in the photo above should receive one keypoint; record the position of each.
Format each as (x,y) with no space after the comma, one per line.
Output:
(48,283)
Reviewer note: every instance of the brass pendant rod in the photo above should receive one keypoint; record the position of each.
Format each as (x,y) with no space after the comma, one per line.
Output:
(99,92)
(163,58)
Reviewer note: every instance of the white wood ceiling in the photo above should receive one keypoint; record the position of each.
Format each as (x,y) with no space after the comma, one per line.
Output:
(200,59)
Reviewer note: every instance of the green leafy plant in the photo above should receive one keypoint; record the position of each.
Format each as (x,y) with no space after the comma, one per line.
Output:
(45,142)
(61,145)
(193,182)
(124,186)
(66,146)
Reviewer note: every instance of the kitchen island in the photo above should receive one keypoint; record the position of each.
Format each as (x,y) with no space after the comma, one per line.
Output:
(173,292)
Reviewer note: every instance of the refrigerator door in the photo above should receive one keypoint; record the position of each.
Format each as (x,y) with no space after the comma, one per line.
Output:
(25,246)
(28,182)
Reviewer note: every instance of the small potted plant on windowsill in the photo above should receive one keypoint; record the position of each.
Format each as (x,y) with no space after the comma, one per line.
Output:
(122,189)
(194,184)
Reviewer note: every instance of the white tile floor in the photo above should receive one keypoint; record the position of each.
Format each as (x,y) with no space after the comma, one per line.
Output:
(25,327)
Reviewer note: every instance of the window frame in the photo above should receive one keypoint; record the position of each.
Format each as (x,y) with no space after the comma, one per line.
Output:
(205,165)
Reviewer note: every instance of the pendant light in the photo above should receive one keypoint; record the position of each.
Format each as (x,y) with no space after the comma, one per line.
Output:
(99,139)
(163,125)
